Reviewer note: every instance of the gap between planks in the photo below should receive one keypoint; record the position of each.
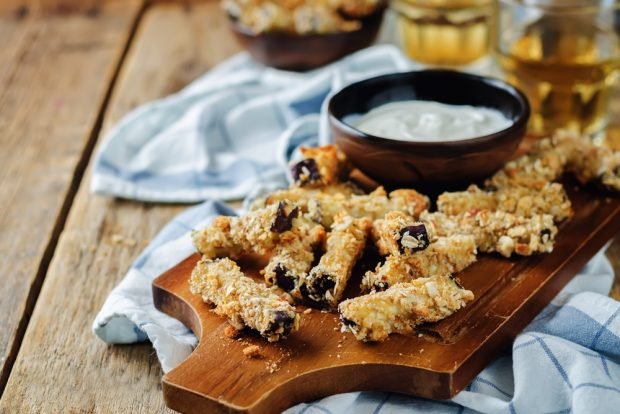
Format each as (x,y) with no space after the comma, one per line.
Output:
(78,174)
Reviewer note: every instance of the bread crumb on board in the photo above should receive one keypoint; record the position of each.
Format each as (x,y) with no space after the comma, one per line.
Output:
(231,332)
(252,351)
(272,366)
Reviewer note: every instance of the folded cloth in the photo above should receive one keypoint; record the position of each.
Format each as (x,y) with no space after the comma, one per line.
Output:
(229,132)
(566,360)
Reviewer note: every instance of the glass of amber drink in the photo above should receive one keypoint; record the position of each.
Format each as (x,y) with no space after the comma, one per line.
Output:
(564,55)
(445,32)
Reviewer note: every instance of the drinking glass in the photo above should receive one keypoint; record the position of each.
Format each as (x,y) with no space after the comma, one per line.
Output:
(564,55)
(445,32)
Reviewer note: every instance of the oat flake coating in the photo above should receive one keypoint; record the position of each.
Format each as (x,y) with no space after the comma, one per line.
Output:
(321,166)
(301,16)
(445,256)
(257,231)
(586,160)
(324,206)
(498,231)
(278,230)
(345,244)
(596,164)
(522,201)
(544,163)
(296,194)
(302,195)
(242,300)
(215,240)
(399,234)
(530,171)
(563,151)
(400,308)
(293,257)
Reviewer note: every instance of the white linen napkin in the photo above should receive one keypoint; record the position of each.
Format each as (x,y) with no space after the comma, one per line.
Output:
(566,360)
(229,132)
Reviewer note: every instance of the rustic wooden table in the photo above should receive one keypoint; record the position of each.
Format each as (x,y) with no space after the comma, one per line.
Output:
(69,69)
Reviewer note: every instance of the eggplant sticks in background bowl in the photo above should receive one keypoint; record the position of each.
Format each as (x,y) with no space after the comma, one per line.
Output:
(302,34)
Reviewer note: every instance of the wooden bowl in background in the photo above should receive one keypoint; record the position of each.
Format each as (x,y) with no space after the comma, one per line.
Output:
(302,52)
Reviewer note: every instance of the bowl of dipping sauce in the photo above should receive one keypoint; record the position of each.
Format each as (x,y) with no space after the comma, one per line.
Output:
(434,129)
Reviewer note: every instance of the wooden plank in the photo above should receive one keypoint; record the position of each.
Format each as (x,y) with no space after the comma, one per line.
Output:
(54,79)
(61,366)
(14,31)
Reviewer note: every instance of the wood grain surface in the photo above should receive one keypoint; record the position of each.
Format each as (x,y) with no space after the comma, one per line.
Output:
(436,362)
(47,8)
(62,366)
(54,78)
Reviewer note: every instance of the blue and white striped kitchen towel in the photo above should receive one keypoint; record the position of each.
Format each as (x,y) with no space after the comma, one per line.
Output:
(566,361)
(229,132)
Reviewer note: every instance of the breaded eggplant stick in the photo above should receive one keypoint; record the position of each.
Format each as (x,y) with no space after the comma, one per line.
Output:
(242,300)
(258,231)
(400,308)
(293,257)
(530,171)
(399,234)
(586,160)
(564,151)
(300,17)
(445,256)
(544,163)
(474,198)
(216,241)
(323,207)
(498,231)
(321,166)
(596,164)
(303,194)
(277,229)
(345,244)
(374,205)
(522,201)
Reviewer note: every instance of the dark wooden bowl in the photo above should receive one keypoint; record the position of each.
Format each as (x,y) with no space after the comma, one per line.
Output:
(302,52)
(428,165)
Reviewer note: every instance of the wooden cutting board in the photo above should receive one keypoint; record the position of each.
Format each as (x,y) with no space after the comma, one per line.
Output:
(319,360)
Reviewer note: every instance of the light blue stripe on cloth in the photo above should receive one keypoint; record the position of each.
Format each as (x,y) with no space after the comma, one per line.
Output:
(216,138)
(128,314)
(566,360)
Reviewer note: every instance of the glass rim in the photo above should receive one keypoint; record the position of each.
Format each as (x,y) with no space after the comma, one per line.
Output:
(562,7)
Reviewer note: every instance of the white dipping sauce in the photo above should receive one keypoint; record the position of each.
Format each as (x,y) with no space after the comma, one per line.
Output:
(431,121)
